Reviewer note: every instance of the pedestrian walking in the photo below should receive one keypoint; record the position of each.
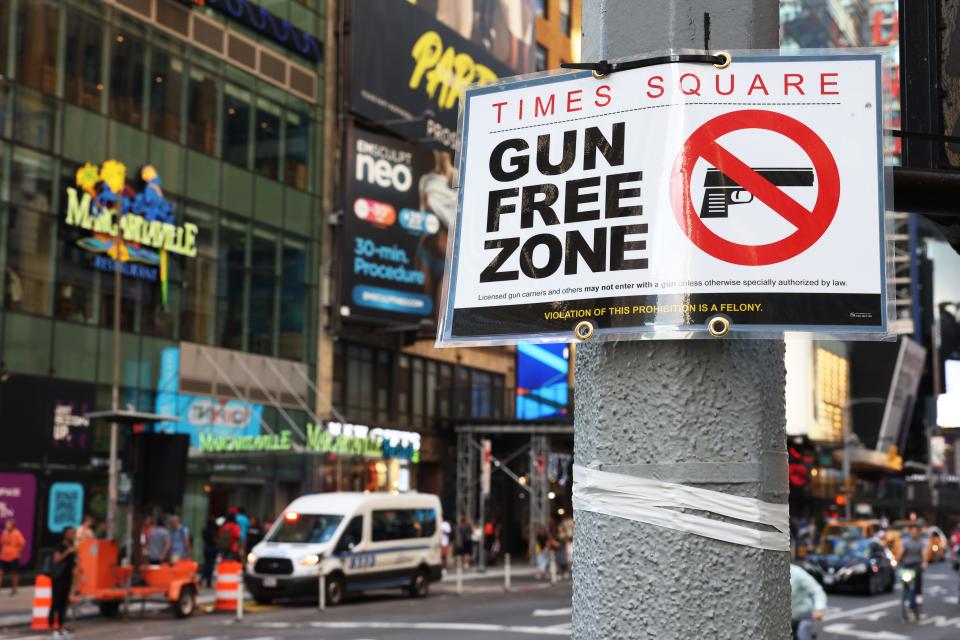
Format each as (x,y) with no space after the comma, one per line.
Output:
(12,543)
(446,531)
(209,551)
(465,534)
(64,564)
(86,530)
(228,538)
(543,549)
(158,543)
(244,523)
(181,543)
(808,601)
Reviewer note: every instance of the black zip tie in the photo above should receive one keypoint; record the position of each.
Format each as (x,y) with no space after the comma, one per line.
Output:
(720,60)
(935,137)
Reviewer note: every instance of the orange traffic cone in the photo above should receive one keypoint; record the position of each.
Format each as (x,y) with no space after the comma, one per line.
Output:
(228,584)
(42,599)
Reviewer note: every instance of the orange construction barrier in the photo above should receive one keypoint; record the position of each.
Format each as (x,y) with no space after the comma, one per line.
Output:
(42,599)
(229,576)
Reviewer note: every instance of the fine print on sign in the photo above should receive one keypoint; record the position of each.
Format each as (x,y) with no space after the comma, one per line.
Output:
(675,200)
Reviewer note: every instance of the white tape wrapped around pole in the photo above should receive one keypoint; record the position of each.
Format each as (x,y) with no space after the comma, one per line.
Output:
(655,502)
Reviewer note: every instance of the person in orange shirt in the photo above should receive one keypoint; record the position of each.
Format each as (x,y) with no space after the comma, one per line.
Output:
(11,547)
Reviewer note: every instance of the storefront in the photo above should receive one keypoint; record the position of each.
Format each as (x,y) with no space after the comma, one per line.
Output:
(117,121)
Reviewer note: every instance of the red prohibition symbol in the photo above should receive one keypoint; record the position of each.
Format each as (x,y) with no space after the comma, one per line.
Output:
(810,225)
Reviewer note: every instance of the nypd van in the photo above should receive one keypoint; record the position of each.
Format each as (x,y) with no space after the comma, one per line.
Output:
(356,541)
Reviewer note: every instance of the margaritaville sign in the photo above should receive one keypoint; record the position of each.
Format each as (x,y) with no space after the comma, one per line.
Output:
(106,204)
(335,437)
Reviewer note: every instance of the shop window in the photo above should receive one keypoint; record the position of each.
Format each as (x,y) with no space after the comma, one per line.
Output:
(297,163)
(295,299)
(126,77)
(383,370)
(542,8)
(461,393)
(129,295)
(481,396)
(263,258)
(403,390)
(28,277)
(156,316)
(34,119)
(359,383)
(444,388)
(202,116)
(565,17)
(417,391)
(236,126)
(38,26)
(339,374)
(266,160)
(230,306)
(431,385)
(198,280)
(83,82)
(74,300)
(541,58)
(231,281)
(4,105)
(31,180)
(4,31)
(166,90)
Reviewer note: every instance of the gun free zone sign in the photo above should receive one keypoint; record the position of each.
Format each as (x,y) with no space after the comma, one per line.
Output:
(656,199)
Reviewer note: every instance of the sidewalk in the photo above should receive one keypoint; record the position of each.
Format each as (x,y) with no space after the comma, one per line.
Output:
(16,611)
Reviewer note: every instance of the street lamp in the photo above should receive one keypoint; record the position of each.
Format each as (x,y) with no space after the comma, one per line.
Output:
(850,438)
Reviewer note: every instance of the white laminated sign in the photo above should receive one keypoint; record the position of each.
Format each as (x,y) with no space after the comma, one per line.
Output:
(655,201)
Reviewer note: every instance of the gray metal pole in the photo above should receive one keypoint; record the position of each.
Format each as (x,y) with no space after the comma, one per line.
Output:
(703,413)
(112,482)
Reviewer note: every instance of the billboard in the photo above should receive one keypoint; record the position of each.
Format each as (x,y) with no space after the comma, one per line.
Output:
(504,28)
(18,493)
(201,415)
(408,71)
(398,205)
(542,385)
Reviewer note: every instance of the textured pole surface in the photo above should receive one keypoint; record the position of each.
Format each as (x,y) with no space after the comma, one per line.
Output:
(708,413)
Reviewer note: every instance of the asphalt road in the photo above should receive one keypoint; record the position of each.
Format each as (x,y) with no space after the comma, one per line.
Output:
(486,612)
(851,617)
(483,612)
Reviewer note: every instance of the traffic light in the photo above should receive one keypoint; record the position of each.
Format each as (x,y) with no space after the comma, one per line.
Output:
(841,500)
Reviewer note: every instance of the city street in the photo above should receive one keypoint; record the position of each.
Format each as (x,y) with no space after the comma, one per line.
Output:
(878,618)
(531,609)
(483,612)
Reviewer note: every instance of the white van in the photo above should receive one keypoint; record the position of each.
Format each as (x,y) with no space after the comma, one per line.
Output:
(357,540)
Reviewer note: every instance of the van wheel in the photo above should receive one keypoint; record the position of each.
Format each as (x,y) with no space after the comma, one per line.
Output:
(334,590)
(420,584)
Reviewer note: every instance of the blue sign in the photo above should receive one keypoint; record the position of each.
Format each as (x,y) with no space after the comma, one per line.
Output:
(268,25)
(542,386)
(66,506)
(201,414)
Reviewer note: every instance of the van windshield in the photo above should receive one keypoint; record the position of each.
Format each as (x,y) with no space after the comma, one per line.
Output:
(305,528)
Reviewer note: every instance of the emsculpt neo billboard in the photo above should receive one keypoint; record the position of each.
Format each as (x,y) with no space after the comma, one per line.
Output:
(399,202)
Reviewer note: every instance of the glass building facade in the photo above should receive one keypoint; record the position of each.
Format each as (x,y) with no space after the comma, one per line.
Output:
(234,151)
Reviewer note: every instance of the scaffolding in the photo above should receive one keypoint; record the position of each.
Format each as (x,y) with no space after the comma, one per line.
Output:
(535,482)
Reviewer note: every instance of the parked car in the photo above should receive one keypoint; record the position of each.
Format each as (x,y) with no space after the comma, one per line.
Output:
(854,564)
